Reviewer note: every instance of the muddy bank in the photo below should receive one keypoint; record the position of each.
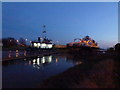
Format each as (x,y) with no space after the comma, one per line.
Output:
(97,73)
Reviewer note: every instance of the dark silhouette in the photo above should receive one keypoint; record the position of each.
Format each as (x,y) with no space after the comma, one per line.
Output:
(9,42)
(117,47)
(22,41)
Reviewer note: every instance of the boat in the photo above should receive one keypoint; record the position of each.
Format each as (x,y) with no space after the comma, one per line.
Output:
(43,42)
(84,42)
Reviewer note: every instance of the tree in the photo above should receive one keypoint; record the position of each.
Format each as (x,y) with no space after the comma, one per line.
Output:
(9,42)
(117,47)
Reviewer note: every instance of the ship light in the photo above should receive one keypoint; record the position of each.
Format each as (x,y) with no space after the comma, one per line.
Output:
(35,45)
(49,46)
(38,45)
(43,45)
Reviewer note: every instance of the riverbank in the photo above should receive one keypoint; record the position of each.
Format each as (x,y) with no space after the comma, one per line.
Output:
(99,72)
(18,54)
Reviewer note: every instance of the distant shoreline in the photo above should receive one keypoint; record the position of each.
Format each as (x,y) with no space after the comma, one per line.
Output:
(30,55)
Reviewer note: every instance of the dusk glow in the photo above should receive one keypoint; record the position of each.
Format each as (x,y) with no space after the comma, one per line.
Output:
(64,21)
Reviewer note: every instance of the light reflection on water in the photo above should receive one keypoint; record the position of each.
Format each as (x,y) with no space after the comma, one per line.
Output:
(32,71)
(15,53)
(38,62)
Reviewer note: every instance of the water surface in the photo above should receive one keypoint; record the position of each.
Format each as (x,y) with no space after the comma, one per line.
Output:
(29,73)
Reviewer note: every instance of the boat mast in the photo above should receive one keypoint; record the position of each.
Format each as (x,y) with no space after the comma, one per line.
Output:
(44,32)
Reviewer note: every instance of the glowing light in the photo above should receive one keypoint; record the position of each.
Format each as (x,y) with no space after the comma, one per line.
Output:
(43,59)
(17,40)
(35,45)
(49,46)
(38,61)
(29,62)
(43,45)
(79,62)
(38,44)
(56,60)
(34,61)
(16,54)
(26,39)
(49,59)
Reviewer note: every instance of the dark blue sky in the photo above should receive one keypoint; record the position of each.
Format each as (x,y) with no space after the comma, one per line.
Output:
(64,20)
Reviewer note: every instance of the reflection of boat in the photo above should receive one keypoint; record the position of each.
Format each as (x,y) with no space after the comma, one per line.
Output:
(42,42)
(41,61)
(86,42)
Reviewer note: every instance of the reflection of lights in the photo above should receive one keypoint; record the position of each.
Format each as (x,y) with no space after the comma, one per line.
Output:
(34,61)
(56,60)
(16,55)
(29,62)
(25,59)
(43,59)
(49,59)
(9,55)
(38,61)
(24,53)
(16,50)
(79,62)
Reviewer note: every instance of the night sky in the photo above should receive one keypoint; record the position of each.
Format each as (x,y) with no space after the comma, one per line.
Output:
(64,21)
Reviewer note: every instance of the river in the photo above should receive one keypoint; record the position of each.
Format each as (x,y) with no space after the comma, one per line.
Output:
(30,72)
